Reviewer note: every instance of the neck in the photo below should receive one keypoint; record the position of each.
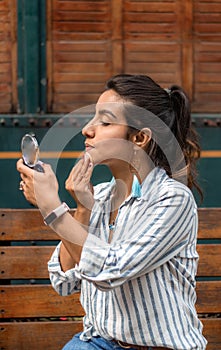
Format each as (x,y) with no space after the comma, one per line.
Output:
(123,174)
(124,180)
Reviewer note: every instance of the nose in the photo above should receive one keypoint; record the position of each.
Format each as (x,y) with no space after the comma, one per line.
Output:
(88,130)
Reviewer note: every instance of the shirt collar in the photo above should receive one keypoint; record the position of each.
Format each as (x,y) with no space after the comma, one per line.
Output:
(153,182)
(136,187)
(138,191)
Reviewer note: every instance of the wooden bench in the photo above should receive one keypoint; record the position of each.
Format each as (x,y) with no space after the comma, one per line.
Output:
(34,316)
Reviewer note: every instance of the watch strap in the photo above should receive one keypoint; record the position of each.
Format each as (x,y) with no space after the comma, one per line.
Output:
(56,213)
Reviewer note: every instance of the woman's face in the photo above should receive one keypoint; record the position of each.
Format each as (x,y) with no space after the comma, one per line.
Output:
(106,134)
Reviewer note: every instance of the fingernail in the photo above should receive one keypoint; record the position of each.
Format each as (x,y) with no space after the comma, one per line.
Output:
(87,156)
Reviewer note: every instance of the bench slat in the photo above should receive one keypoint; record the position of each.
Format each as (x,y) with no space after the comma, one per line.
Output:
(209,223)
(208,297)
(12,258)
(32,259)
(24,225)
(20,224)
(43,301)
(38,335)
(53,335)
(37,301)
(212,332)
(209,260)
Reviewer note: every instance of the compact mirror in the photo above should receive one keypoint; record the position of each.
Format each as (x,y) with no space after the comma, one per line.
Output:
(30,152)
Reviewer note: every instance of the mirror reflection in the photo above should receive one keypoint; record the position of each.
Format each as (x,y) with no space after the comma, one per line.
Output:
(30,152)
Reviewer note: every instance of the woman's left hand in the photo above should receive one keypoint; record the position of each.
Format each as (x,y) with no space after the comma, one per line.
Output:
(78,183)
(40,189)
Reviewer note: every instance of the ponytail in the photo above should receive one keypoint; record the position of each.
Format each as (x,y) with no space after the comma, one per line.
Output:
(185,134)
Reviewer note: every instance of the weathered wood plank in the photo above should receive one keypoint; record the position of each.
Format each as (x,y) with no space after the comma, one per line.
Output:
(212,332)
(208,297)
(207,7)
(81,27)
(48,335)
(150,6)
(38,335)
(89,77)
(78,56)
(79,87)
(42,301)
(37,301)
(32,259)
(12,258)
(152,56)
(208,88)
(81,5)
(20,224)
(209,259)
(81,36)
(78,97)
(97,67)
(90,47)
(5,98)
(150,28)
(209,223)
(75,15)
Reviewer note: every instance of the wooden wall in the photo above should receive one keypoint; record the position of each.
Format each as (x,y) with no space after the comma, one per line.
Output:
(174,41)
(207,55)
(8,55)
(81,41)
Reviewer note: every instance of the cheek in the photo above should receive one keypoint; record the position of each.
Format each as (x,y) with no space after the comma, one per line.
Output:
(112,148)
(119,132)
(123,131)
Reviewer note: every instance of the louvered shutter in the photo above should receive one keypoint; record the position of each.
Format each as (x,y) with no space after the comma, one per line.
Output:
(7,57)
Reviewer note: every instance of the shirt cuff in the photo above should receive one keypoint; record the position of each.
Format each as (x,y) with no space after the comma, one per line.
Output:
(54,267)
(98,261)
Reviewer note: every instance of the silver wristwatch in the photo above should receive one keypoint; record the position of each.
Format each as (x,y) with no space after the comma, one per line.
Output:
(56,213)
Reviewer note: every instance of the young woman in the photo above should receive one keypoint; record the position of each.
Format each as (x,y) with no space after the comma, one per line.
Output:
(131,245)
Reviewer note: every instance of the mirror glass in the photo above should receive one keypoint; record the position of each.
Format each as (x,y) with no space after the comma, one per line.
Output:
(30,152)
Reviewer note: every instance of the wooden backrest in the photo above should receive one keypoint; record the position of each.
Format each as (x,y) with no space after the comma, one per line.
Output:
(49,320)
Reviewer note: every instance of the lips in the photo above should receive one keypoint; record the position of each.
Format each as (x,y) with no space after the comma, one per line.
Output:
(88,147)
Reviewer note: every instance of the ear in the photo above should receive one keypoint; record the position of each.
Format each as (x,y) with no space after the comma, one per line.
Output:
(142,137)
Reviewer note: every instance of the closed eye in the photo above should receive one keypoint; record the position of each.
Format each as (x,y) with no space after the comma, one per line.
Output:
(105,123)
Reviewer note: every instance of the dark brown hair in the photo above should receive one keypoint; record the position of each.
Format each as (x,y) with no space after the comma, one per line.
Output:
(170,106)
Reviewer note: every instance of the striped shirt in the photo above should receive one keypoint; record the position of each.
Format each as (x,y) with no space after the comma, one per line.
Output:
(140,287)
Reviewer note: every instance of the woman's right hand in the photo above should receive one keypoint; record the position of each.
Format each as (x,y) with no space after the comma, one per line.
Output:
(40,189)
(78,183)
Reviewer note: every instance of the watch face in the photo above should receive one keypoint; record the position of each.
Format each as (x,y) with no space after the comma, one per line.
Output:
(50,218)
(56,213)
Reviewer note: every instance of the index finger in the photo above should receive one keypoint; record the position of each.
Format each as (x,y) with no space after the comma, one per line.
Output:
(76,167)
(24,169)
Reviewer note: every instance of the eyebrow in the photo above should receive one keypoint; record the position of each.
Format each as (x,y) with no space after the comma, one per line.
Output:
(106,111)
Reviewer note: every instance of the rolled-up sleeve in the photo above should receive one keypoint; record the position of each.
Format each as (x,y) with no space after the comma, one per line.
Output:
(65,283)
(162,232)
